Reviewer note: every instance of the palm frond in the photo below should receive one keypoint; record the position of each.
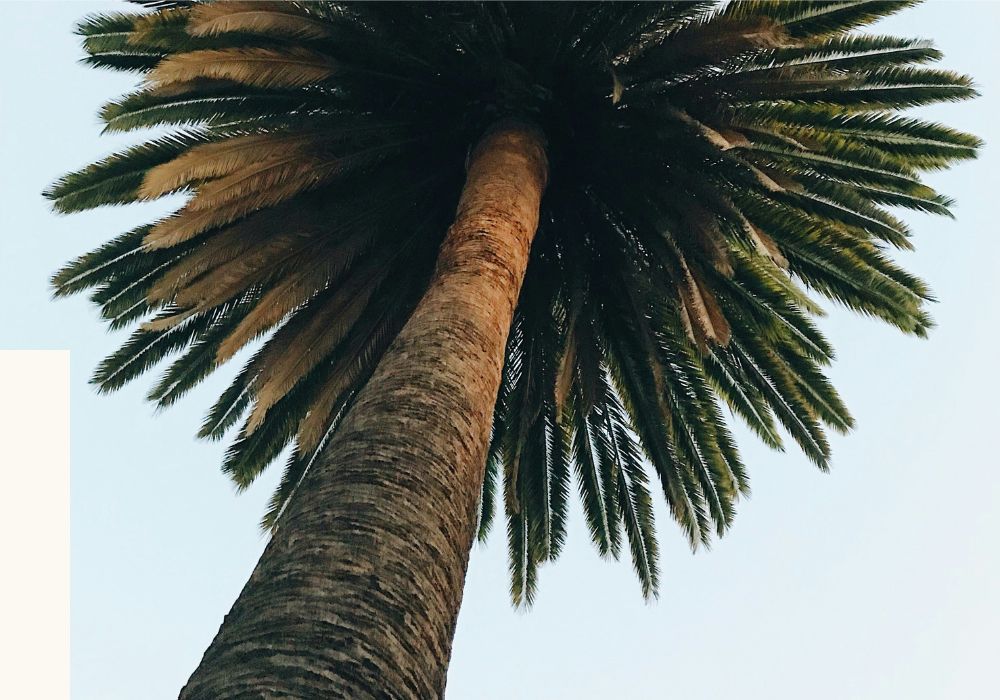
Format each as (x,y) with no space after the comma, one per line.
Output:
(255,67)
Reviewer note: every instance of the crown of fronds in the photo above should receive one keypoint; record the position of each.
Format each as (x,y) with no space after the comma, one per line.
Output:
(709,164)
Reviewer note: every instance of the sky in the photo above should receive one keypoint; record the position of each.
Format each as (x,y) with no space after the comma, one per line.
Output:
(877,580)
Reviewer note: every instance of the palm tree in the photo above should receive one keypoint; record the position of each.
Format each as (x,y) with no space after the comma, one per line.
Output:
(480,249)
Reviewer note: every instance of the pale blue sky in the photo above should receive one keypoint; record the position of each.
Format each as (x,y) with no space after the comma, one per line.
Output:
(876,581)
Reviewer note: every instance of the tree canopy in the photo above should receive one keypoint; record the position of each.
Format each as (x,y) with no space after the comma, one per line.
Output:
(714,169)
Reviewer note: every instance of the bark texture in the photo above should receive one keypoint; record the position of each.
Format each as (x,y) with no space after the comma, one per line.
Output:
(357,594)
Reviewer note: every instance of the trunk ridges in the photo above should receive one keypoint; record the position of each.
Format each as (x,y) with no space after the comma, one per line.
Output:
(358,592)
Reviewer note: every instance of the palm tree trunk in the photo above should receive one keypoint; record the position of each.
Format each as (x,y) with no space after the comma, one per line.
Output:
(357,594)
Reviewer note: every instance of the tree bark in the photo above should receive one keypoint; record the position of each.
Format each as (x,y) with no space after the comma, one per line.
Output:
(357,593)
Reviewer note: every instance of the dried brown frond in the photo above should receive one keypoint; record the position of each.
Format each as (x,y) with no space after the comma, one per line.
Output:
(266,68)
(786,182)
(735,138)
(214,160)
(313,427)
(724,37)
(708,236)
(705,321)
(147,28)
(766,246)
(294,291)
(357,357)
(276,183)
(295,351)
(264,183)
(257,17)
(229,243)
(711,135)
(253,267)
(762,177)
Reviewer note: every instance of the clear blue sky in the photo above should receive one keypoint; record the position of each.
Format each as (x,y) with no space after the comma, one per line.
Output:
(876,581)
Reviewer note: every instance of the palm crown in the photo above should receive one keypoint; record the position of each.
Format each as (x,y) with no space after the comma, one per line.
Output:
(709,165)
